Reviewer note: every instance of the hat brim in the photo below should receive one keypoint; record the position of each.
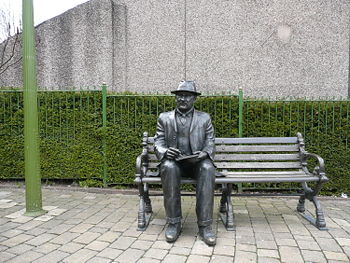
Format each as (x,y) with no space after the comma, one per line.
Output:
(177,91)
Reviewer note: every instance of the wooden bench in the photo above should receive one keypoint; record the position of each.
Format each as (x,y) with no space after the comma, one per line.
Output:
(243,160)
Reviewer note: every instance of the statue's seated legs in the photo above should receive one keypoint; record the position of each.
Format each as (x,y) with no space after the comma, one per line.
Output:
(204,172)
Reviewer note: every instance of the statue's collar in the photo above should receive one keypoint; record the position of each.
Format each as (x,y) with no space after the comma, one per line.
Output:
(177,111)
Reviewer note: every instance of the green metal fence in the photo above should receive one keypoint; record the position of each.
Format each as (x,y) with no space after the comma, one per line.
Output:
(95,135)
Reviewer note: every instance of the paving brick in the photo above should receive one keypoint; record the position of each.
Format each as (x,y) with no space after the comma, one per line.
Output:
(268,260)
(71,247)
(162,245)
(110,253)
(44,238)
(28,256)
(97,245)
(123,242)
(14,241)
(343,241)
(11,233)
(336,256)
(286,242)
(171,258)
(266,244)
(313,256)
(98,260)
(245,240)
(221,259)
(46,248)
(244,256)
(268,253)
(36,231)
(148,237)
(246,247)
(130,255)
(60,229)
(87,237)
(6,256)
(148,260)
(198,258)
(109,236)
(53,257)
(141,244)
(30,225)
(310,245)
(224,250)
(286,252)
(64,238)
(81,228)
(20,249)
(200,248)
(156,253)
(81,255)
(264,237)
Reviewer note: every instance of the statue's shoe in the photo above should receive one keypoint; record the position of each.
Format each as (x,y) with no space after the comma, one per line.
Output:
(172,232)
(208,235)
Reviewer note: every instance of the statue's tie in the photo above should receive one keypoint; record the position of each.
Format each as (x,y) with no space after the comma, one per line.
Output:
(183,120)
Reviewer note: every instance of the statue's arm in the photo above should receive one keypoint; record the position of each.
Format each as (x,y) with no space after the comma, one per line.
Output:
(209,146)
(160,146)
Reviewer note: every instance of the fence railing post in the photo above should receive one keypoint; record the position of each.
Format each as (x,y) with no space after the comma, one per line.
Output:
(104,132)
(240,110)
(240,124)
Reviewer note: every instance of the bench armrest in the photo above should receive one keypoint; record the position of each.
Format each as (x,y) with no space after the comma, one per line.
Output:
(142,159)
(318,170)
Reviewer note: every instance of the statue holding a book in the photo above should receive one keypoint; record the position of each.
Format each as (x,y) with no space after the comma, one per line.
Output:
(184,145)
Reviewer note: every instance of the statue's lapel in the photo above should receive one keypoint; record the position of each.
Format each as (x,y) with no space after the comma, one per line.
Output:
(173,120)
(194,120)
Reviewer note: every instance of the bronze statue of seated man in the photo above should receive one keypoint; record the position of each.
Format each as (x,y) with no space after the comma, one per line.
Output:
(184,145)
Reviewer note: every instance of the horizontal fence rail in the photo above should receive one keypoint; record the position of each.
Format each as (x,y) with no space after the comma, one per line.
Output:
(77,143)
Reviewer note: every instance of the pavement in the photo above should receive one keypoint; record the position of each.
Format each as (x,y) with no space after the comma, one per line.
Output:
(100,226)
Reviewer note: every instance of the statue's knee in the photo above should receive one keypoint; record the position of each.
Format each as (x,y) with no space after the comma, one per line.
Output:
(168,165)
(207,166)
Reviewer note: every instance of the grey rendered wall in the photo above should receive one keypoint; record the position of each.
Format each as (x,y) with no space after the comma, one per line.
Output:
(73,50)
(267,47)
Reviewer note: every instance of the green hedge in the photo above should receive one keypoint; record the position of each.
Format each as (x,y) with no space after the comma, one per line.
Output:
(71,131)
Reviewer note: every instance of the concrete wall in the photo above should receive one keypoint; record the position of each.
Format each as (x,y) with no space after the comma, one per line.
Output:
(268,47)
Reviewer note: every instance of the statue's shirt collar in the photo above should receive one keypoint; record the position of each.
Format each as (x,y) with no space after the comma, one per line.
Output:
(186,114)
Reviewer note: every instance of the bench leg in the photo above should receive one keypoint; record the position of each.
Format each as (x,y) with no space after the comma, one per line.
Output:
(311,195)
(148,205)
(143,217)
(226,209)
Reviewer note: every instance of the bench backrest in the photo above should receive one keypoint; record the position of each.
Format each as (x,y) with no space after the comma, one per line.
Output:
(251,154)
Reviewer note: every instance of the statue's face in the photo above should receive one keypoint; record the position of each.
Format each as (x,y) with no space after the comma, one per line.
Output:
(185,100)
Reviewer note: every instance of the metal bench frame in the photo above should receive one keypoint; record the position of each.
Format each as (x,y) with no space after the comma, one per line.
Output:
(244,151)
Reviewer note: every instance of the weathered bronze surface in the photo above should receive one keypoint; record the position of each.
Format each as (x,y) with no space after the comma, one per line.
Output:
(185,147)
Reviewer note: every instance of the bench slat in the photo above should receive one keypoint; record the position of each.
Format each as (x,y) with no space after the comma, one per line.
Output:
(250,148)
(155,173)
(257,165)
(257,148)
(256,157)
(249,140)
(247,157)
(224,180)
(256,140)
(250,165)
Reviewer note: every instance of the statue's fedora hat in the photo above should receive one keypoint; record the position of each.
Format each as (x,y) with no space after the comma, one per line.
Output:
(187,86)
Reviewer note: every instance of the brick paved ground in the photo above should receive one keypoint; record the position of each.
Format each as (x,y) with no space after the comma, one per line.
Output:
(101,227)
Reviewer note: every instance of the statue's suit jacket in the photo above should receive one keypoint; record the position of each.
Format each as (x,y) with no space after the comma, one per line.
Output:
(201,133)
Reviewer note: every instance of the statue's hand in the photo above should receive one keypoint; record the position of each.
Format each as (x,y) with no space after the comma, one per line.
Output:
(201,155)
(172,153)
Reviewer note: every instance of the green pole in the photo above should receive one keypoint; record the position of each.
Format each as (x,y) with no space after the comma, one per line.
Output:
(31,137)
(104,125)
(240,125)
(240,110)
